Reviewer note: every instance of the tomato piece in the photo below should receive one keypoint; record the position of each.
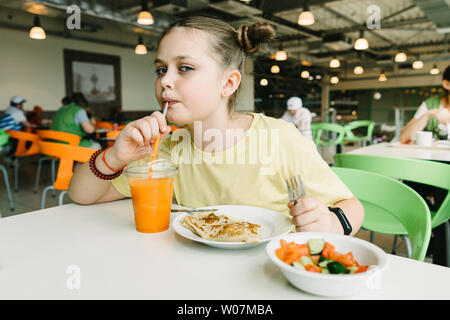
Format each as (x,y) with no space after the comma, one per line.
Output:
(362,269)
(312,268)
(327,250)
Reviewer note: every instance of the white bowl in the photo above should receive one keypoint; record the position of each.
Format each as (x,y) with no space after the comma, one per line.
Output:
(333,285)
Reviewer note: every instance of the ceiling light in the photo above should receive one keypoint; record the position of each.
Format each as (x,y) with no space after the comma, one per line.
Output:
(400,57)
(334,63)
(305,74)
(334,80)
(358,70)
(311,78)
(145,17)
(281,55)
(36,32)
(382,76)
(361,43)
(275,69)
(263,82)
(377,95)
(140,48)
(306,17)
(434,70)
(418,64)
(318,76)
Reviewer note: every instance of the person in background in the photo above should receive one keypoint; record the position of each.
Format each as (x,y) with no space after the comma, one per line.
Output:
(433,114)
(14,117)
(34,117)
(298,115)
(73,118)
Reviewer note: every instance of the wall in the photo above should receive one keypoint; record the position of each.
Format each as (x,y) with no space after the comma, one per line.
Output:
(34,69)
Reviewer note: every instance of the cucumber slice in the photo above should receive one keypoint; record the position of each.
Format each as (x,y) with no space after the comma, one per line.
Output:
(325,270)
(324,262)
(304,260)
(336,268)
(352,269)
(298,265)
(316,246)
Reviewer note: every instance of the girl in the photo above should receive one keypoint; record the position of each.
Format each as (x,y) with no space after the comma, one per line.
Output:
(199,65)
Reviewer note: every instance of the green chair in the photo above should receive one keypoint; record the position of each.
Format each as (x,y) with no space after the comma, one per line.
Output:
(354,125)
(391,198)
(432,173)
(318,128)
(4,138)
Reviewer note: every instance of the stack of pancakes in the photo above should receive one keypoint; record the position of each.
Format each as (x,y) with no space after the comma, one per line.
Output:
(220,227)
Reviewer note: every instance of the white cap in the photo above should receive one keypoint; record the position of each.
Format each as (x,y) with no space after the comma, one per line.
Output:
(18,100)
(294,103)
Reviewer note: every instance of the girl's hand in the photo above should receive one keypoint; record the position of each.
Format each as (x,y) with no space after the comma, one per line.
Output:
(137,139)
(312,215)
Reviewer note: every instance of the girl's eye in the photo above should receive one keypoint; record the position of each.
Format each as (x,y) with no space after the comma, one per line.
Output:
(185,68)
(160,70)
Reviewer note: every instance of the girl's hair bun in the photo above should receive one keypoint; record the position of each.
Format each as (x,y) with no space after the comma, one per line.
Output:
(250,37)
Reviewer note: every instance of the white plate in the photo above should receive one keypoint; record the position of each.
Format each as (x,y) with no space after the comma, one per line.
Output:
(273,224)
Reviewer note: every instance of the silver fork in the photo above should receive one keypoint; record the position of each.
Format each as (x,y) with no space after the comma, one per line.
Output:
(295,187)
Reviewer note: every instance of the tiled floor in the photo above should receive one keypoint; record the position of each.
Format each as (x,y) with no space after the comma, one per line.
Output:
(26,200)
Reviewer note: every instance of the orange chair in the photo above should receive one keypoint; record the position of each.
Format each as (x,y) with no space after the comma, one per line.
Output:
(52,135)
(22,150)
(67,155)
(103,125)
(111,136)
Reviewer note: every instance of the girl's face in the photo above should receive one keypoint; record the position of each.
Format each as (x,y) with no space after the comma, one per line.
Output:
(188,77)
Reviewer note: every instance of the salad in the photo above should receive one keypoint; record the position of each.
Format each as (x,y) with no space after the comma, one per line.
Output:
(318,256)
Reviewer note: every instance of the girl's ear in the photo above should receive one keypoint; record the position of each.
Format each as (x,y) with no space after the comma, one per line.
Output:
(232,81)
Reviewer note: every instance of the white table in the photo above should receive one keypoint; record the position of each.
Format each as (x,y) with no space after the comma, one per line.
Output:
(115,261)
(383,149)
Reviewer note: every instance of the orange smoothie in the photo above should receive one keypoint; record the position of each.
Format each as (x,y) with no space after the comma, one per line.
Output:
(152,199)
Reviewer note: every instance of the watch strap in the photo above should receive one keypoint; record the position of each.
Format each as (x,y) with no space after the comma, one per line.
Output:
(342,219)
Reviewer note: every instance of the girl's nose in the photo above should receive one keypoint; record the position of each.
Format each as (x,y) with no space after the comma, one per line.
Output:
(167,81)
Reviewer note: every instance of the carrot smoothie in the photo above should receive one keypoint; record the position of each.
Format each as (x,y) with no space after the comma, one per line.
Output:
(151,195)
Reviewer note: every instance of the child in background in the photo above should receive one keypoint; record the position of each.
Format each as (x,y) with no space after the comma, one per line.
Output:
(199,65)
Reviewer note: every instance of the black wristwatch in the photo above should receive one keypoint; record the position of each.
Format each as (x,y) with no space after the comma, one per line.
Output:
(342,219)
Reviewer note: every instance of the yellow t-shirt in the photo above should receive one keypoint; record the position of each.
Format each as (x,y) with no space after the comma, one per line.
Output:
(252,172)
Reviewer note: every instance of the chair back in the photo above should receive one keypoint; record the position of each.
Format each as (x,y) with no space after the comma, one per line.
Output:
(350,136)
(69,138)
(4,138)
(67,154)
(432,173)
(393,198)
(22,139)
(318,129)
(112,134)
(103,125)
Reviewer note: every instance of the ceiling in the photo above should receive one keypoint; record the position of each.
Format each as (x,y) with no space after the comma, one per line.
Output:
(421,27)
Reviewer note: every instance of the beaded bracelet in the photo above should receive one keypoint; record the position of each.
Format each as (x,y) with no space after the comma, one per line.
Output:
(98,173)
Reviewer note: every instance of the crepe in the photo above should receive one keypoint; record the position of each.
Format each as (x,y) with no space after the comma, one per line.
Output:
(220,227)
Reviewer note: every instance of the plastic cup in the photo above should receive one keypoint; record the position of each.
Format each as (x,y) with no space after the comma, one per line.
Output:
(151,194)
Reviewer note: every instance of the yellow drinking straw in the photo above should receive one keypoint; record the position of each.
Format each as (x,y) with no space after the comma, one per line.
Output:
(155,148)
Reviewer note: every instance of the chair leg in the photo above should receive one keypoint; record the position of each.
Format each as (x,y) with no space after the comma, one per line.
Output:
(44,194)
(394,246)
(8,189)
(61,197)
(16,174)
(38,173)
(54,161)
(408,246)
(371,236)
(447,241)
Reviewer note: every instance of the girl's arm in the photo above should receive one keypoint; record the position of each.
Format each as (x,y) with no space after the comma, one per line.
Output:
(134,142)
(311,214)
